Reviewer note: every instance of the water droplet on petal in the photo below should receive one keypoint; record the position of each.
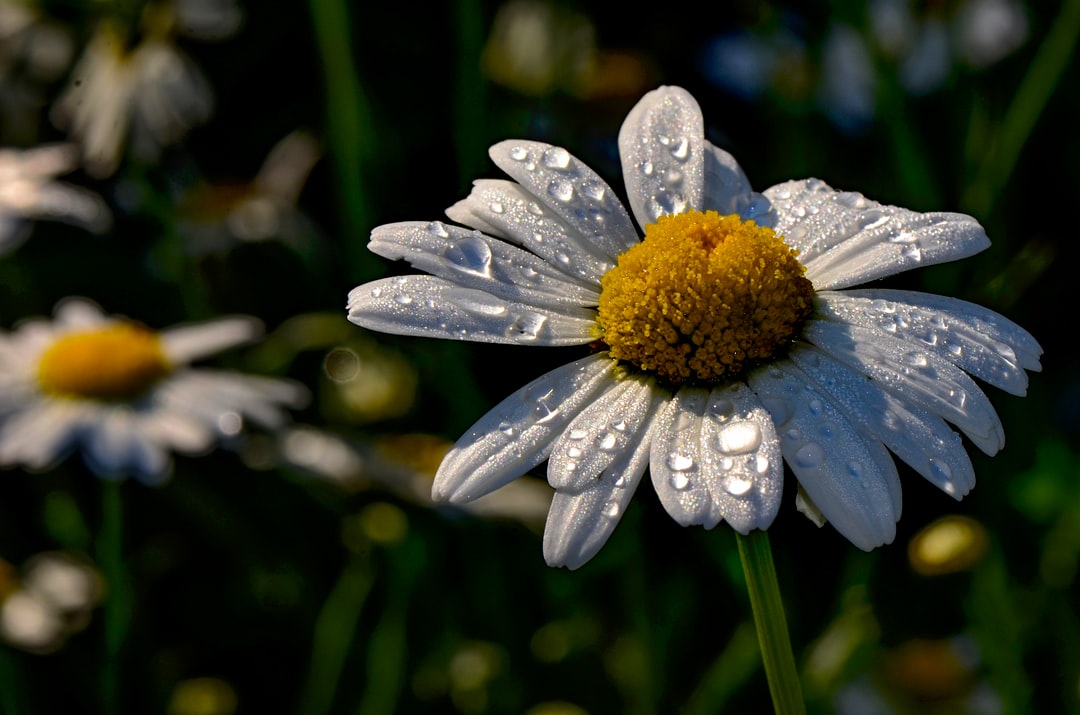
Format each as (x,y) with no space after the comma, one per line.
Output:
(470,255)
(940,470)
(607,442)
(403,298)
(809,456)
(527,326)
(594,190)
(496,207)
(519,153)
(739,438)
(737,486)
(611,509)
(438,228)
(619,426)
(577,434)
(506,428)
(679,482)
(556,158)
(647,168)
(679,462)
(561,189)
(574,452)
(376,292)
(761,464)
(681,149)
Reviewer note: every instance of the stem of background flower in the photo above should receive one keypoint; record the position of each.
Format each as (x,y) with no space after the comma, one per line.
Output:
(118,602)
(13,698)
(1027,106)
(350,129)
(771,624)
(334,631)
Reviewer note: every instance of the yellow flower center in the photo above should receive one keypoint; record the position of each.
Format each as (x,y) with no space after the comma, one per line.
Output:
(703,297)
(117,362)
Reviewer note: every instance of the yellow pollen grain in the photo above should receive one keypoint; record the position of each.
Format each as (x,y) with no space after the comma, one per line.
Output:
(117,362)
(702,297)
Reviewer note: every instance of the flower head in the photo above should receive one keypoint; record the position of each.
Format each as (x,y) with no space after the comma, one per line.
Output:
(730,347)
(123,394)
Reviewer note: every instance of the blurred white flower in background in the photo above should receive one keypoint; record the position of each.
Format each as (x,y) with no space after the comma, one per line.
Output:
(52,600)
(28,191)
(124,395)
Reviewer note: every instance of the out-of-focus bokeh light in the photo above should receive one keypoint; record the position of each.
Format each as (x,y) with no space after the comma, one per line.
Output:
(950,544)
(203,696)
(52,600)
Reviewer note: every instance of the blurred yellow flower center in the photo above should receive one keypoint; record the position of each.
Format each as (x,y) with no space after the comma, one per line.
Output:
(703,297)
(117,362)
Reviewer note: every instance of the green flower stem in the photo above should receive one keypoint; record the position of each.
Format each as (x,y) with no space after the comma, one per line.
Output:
(118,602)
(1038,85)
(350,128)
(771,624)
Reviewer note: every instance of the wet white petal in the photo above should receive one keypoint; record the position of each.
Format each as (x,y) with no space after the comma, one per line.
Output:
(580,522)
(727,190)
(571,190)
(662,147)
(845,239)
(740,459)
(675,460)
(426,306)
(601,433)
(982,342)
(506,210)
(473,260)
(850,477)
(186,343)
(914,375)
(916,436)
(518,433)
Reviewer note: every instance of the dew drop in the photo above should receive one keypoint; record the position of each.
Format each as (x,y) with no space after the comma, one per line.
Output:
(403,299)
(737,486)
(506,428)
(376,292)
(679,462)
(534,208)
(854,469)
(607,442)
(496,207)
(912,252)
(570,466)
(470,255)
(809,456)
(761,464)
(681,149)
(574,452)
(727,463)
(739,438)
(619,426)
(519,153)
(679,482)
(940,471)
(526,326)
(562,190)
(904,237)
(438,228)
(577,434)
(556,158)
(815,407)
(611,509)
(594,190)
(647,168)
(672,177)
(916,360)
(955,349)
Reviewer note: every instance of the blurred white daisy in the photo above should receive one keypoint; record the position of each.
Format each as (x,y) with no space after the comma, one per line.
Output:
(151,92)
(729,343)
(123,395)
(28,190)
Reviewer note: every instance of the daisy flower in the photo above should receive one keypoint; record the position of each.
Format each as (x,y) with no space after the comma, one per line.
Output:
(28,190)
(728,339)
(124,395)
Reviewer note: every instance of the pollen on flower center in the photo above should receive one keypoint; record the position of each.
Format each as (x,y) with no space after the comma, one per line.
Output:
(703,297)
(117,362)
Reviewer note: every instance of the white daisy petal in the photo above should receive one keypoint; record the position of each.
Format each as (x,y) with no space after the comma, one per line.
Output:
(41,434)
(573,191)
(473,260)
(740,459)
(186,343)
(114,447)
(849,477)
(675,460)
(727,190)
(432,307)
(506,210)
(984,343)
(662,147)
(579,523)
(78,314)
(915,375)
(518,433)
(919,438)
(845,239)
(601,432)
